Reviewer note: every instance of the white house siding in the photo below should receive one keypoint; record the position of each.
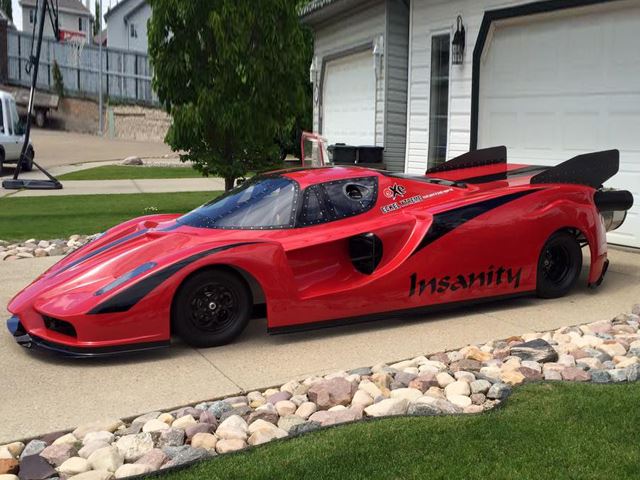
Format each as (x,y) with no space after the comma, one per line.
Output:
(340,35)
(430,17)
(397,58)
(118,34)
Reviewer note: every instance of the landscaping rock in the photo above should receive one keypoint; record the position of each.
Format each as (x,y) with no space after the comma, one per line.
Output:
(230,445)
(233,427)
(155,459)
(108,458)
(329,393)
(133,447)
(57,454)
(34,467)
(34,447)
(74,466)
(388,406)
(537,350)
(93,475)
(187,455)
(499,391)
(132,469)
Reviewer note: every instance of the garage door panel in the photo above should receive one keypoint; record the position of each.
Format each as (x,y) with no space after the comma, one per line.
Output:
(349,100)
(554,88)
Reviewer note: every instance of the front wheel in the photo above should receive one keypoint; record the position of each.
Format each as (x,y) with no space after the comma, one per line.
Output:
(211,308)
(559,265)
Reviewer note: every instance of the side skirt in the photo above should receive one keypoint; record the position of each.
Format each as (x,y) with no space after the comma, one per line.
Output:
(395,314)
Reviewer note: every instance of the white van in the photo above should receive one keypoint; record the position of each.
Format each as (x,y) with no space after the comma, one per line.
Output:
(12,134)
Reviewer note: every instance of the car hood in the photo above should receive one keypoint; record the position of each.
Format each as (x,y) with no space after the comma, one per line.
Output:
(77,278)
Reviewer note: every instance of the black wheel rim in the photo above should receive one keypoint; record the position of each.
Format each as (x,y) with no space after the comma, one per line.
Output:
(214,308)
(556,263)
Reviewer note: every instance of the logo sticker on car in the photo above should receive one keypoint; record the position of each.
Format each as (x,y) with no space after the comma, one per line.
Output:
(395,191)
(488,278)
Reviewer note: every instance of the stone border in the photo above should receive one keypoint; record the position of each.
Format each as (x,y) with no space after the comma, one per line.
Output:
(469,380)
(43,248)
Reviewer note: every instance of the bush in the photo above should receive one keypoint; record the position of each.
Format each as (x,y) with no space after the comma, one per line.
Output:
(58,81)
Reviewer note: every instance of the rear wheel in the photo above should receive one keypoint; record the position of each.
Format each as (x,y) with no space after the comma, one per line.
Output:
(211,308)
(559,265)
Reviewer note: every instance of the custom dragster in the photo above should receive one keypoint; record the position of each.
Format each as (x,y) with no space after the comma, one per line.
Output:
(309,247)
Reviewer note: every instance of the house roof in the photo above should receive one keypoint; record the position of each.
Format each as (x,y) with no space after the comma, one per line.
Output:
(70,6)
(317,11)
(315,5)
(132,4)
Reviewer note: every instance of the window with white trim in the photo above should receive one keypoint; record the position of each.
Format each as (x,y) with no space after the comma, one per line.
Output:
(439,99)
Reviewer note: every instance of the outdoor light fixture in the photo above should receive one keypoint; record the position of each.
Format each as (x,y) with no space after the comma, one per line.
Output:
(457,45)
(313,70)
(378,52)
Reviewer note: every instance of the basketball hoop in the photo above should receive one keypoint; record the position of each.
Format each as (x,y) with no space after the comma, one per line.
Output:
(76,46)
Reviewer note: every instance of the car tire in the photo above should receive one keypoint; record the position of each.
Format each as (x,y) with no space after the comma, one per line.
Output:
(27,164)
(559,265)
(1,161)
(211,308)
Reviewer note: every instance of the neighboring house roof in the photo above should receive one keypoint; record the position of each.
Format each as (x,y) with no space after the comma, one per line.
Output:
(69,6)
(133,5)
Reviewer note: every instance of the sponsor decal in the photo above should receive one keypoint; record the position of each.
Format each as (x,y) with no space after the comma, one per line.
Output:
(401,204)
(395,191)
(452,283)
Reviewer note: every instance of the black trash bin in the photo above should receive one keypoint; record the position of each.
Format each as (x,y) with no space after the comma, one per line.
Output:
(370,154)
(343,154)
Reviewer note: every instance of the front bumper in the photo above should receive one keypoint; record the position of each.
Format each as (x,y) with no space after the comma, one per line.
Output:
(33,342)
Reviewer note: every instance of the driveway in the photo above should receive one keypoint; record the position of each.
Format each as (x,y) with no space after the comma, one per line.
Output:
(55,148)
(39,394)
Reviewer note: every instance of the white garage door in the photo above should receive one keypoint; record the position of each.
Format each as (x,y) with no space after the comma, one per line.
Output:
(349,100)
(568,84)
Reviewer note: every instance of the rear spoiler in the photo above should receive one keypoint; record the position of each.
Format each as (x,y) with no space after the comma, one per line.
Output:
(476,158)
(591,169)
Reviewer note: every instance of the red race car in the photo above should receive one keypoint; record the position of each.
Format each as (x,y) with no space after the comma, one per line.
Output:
(310,247)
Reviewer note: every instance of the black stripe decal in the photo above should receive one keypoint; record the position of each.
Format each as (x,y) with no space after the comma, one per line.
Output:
(125,300)
(445,222)
(494,177)
(103,248)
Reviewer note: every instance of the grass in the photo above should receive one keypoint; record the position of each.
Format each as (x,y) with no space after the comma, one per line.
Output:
(120,172)
(545,431)
(61,216)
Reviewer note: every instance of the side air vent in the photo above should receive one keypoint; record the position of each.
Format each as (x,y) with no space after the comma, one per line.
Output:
(366,252)
(59,326)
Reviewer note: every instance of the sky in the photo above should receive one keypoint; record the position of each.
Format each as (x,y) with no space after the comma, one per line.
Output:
(17,11)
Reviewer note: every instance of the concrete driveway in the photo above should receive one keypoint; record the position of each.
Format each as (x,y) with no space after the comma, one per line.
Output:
(39,394)
(56,148)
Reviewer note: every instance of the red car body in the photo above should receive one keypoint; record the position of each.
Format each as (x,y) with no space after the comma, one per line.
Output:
(467,233)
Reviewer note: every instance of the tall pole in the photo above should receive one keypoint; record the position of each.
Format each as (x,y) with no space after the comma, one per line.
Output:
(100,121)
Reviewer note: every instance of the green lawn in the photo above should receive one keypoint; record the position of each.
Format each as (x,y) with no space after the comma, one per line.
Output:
(121,172)
(545,431)
(61,216)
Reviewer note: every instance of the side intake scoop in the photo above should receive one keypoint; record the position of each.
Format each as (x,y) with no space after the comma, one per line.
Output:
(591,169)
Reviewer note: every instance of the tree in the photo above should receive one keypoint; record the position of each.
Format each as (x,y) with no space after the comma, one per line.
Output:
(5,6)
(97,24)
(232,74)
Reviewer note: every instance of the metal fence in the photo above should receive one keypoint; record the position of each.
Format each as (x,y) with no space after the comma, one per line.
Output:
(126,75)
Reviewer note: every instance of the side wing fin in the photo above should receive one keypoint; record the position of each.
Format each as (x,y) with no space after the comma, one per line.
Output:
(592,169)
(475,158)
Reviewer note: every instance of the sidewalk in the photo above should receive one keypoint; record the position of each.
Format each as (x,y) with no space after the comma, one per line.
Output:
(93,187)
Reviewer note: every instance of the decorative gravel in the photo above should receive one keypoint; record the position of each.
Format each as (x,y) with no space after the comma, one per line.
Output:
(466,381)
(43,248)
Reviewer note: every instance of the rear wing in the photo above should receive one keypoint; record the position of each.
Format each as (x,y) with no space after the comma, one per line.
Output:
(591,169)
(475,158)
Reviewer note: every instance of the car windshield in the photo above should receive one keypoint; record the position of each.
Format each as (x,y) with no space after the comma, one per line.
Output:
(260,203)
